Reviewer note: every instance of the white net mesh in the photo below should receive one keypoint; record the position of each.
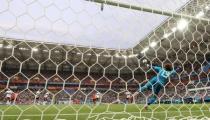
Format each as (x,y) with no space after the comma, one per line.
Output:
(104,59)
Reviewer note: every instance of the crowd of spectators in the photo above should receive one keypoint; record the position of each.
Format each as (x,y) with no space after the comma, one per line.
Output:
(76,90)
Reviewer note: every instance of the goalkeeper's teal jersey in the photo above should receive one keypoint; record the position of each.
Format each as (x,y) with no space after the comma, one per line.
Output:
(162,75)
(157,82)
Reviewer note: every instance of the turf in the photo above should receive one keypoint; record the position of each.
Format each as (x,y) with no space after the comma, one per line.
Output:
(103,112)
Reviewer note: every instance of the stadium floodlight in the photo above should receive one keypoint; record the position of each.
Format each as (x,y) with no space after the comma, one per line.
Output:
(22,48)
(153,44)
(174,29)
(107,55)
(45,50)
(130,56)
(125,56)
(200,14)
(182,24)
(34,49)
(57,51)
(145,50)
(133,55)
(8,46)
(117,55)
(166,35)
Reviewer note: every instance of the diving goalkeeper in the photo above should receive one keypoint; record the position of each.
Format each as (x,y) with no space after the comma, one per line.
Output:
(157,82)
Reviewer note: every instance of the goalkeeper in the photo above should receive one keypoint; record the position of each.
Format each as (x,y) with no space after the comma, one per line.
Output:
(157,82)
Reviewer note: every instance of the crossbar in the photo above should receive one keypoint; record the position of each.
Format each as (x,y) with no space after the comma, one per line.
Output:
(147,9)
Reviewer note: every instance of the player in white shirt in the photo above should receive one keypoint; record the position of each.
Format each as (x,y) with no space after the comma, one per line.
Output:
(8,96)
(96,97)
(37,95)
(46,96)
(128,96)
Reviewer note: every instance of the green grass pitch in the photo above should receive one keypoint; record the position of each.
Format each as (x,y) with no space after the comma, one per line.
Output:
(103,112)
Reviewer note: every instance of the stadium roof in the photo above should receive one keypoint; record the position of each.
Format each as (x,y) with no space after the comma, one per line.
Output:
(82,23)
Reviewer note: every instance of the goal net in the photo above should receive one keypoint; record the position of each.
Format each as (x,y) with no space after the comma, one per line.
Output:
(104,59)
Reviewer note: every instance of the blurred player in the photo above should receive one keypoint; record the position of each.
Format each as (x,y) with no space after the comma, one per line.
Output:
(8,96)
(128,97)
(37,95)
(96,97)
(14,97)
(46,97)
(157,82)
(202,98)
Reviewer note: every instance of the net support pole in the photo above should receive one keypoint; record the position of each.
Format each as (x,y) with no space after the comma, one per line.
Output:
(147,9)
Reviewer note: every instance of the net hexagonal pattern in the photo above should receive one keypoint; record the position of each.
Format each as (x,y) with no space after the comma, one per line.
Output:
(104,59)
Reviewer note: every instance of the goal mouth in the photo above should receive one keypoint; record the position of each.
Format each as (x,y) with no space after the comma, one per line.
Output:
(104,59)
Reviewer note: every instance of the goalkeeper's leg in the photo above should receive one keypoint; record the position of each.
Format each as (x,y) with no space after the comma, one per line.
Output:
(152,100)
(155,91)
(143,88)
